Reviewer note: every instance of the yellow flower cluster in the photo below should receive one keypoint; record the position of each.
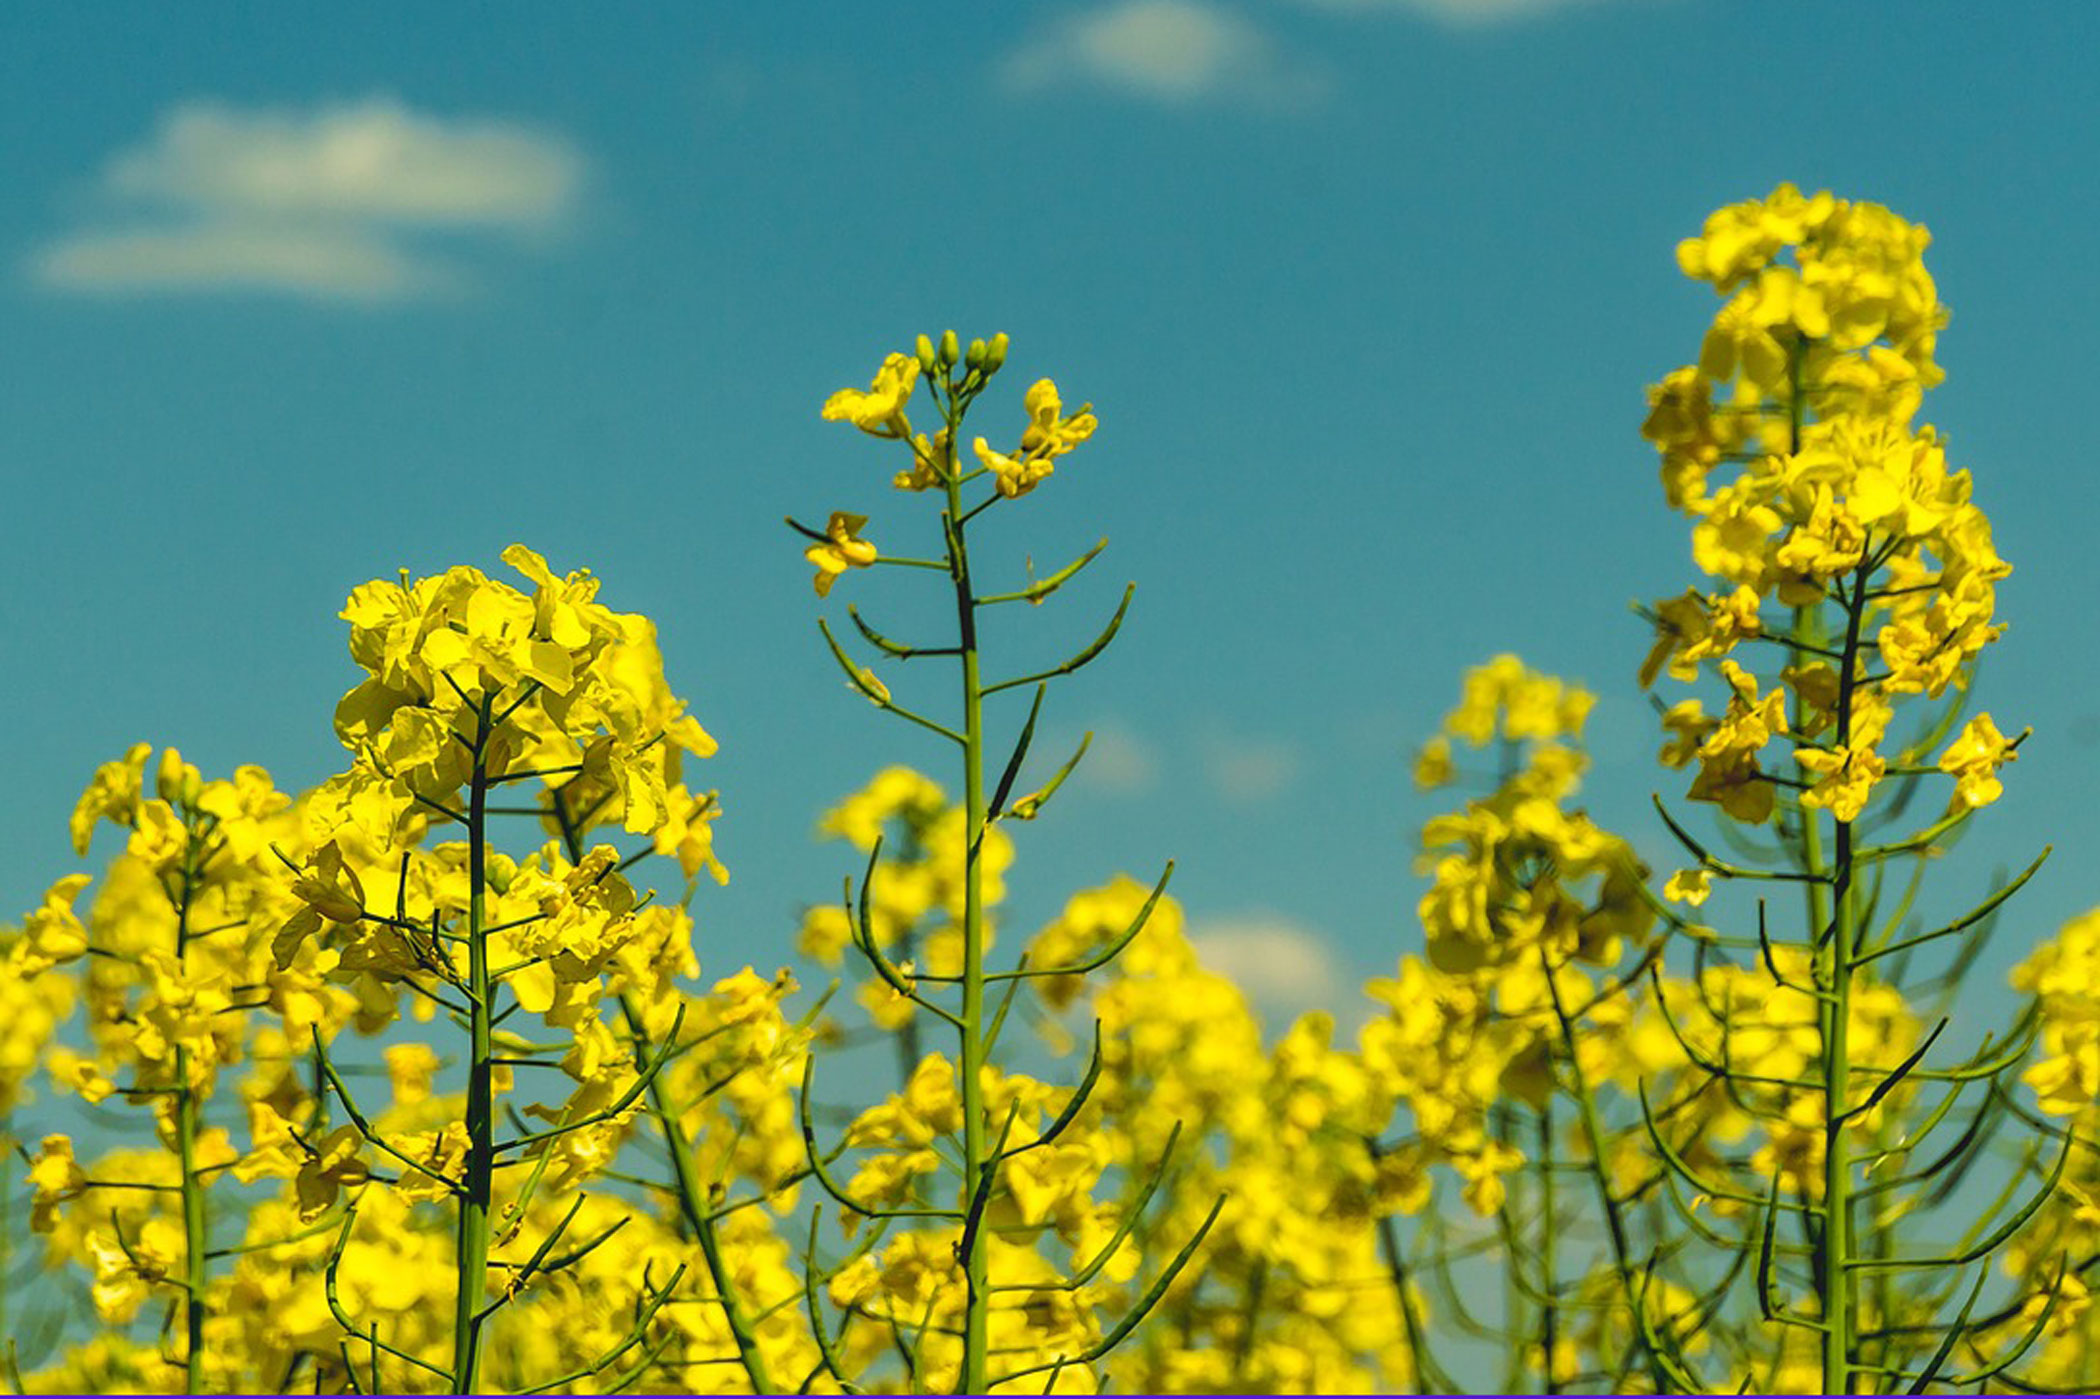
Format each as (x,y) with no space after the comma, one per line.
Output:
(1809,378)
(915,899)
(1288,1293)
(881,410)
(1507,868)
(238,925)
(583,693)
(1522,889)
(318,1199)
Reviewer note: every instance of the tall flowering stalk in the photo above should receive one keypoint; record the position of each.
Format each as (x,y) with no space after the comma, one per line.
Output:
(996,1115)
(475,688)
(1848,550)
(176,948)
(1538,940)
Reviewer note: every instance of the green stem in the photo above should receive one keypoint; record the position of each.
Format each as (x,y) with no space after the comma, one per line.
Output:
(1835,1282)
(699,1216)
(1515,1307)
(7,1212)
(977,1314)
(1549,1287)
(1809,642)
(1614,1215)
(1419,1361)
(195,1226)
(473,1252)
(693,1203)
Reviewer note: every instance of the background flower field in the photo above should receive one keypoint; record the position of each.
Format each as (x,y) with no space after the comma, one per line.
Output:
(279,340)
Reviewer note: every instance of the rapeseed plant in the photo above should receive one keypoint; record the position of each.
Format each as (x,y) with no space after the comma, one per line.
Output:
(429,1114)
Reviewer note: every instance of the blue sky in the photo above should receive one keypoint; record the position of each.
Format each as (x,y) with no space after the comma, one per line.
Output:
(1365,293)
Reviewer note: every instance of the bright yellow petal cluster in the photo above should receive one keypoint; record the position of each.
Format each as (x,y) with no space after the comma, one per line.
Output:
(1811,376)
(1974,758)
(843,548)
(1508,699)
(879,409)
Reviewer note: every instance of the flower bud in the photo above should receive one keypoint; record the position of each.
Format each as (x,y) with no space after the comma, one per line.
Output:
(177,782)
(975,357)
(925,355)
(995,354)
(951,348)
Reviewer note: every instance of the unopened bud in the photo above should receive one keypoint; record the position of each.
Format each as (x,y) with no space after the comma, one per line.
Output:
(177,782)
(995,353)
(975,357)
(925,353)
(951,348)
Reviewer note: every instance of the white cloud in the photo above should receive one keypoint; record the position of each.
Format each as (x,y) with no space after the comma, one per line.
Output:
(327,204)
(1245,771)
(1456,12)
(330,264)
(1117,761)
(1173,51)
(1283,967)
(376,160)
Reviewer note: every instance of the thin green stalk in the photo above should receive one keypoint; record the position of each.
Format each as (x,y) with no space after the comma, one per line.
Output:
(693,1204)
(196,1244)
(7,1213)
(1549,1285)
(1257,1286)
(1614,1217)
(977,1314)
(473,1252)
(1808,632)
(1835,1283)
(1880,1243)
(1515,1322)
(1422,1366)
(693,1207)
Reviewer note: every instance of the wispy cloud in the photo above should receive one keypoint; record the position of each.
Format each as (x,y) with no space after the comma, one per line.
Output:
(336,203)
(1283,967)
(1171,51)
(1244,771)
(1117,761)
(1457,13)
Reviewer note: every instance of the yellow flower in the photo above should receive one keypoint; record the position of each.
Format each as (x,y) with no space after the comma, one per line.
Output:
(411,1067)
(1728,770)
(57,1178)
(328,890)
(1974,759)
(1688,887)
(274,1150)
(78,1074)
(332,1165)
(1734,540)
(126,1270)
(112,792)
(688,833)
(825,933)
(842,549)
(1433,763)
(53,933)
(929,463)
(2068,1080)
(1688,727)
(879,409)
(1846,776)
(1483,1168)
(1048,433)
(1017,475)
